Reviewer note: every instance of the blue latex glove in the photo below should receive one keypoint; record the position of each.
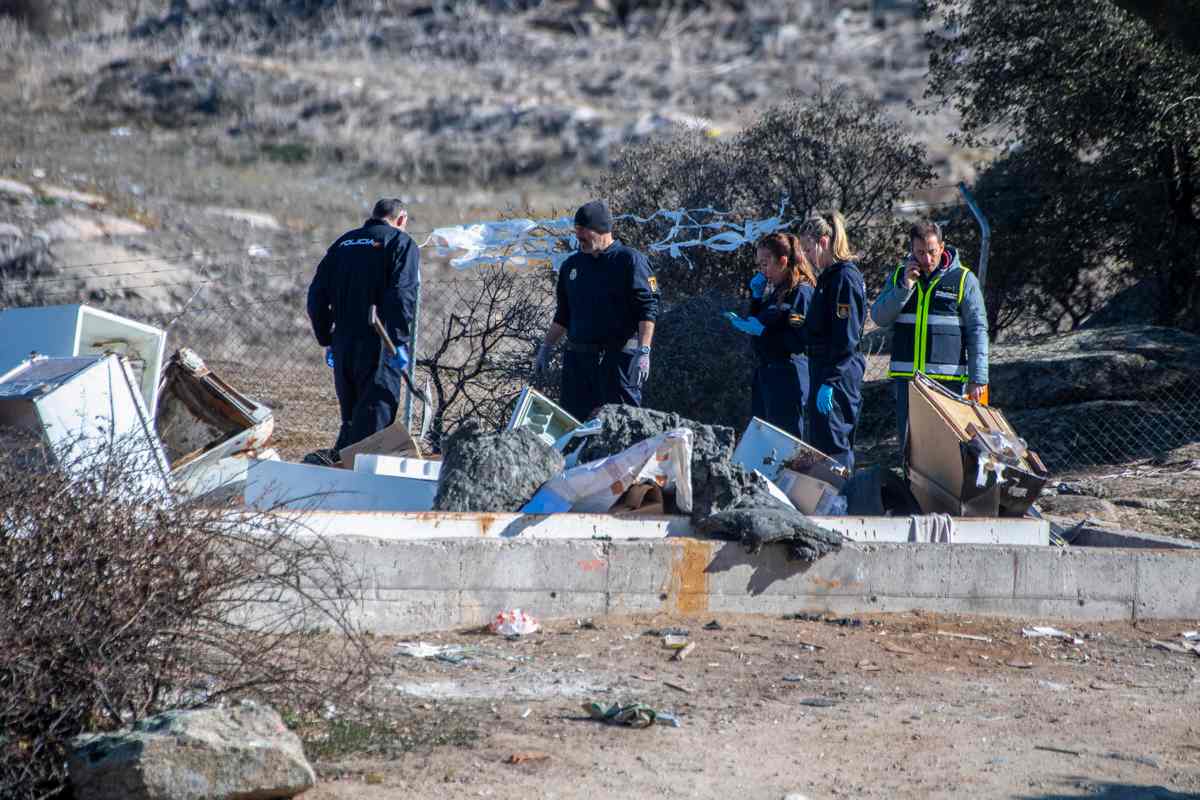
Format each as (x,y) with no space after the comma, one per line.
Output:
(400,360)
(329,356)
(758,285)
(825,399)
(749,326)
(643,369)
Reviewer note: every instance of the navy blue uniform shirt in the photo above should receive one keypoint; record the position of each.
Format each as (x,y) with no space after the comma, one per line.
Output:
(375,265)
(603,297)
(834,324)
(782,315)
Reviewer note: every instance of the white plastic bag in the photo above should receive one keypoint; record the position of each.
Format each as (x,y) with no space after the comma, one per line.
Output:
(595,487)
(514,622)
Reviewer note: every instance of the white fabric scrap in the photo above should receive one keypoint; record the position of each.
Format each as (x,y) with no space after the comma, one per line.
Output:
(931,528)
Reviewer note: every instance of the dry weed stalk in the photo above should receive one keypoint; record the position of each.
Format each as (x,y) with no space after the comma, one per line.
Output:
(122,601)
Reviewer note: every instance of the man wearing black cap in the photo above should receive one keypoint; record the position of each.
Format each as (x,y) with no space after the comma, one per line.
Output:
(607,302)
(375,265)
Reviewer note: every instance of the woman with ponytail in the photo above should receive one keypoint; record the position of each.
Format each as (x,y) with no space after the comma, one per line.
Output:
(832,330)
(780,293)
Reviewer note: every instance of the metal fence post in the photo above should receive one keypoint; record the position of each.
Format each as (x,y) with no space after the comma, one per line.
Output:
(985,232)
(412,361)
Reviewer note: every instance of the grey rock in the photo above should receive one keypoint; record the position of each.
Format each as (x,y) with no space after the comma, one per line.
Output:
(716,482)
(485,471)
(239,753)
(1103,431)
(1078,505)
(1130,362)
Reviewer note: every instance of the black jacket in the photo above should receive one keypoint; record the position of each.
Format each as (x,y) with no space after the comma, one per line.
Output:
(782,315)
(375,265)
(603,297)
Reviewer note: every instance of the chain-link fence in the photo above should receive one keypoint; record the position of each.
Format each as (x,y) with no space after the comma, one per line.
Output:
(1093,396)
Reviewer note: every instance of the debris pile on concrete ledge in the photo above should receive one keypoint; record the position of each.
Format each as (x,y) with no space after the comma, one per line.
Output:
(765,486)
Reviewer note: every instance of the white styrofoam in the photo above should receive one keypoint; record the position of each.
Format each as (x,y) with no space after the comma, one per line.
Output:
(398,466)
(76,330)
(307,487)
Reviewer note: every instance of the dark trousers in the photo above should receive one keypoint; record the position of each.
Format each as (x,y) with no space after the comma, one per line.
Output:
(368,389)
(900,386)
(779,394)
(833,433)
(590,380)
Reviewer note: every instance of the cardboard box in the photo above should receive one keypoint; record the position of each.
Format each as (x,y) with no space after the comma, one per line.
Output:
(394,440)
(965,459)
(640,499)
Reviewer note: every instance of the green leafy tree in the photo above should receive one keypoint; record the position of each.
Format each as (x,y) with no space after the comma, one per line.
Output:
(1109,110)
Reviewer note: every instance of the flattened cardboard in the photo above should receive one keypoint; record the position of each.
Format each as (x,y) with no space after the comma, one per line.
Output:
(638,500)
(394,440)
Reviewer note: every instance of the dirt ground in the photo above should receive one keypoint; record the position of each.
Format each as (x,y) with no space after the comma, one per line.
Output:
(883,706)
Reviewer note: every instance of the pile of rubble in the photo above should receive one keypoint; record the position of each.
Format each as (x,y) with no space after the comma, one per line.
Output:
(201,438)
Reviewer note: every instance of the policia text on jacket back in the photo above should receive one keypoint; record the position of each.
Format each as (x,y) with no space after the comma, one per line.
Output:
(935,308)
(375,265)
(607,301)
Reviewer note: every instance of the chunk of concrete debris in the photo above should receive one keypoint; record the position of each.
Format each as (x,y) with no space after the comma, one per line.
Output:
(486,471)
(757,519)
(243,751)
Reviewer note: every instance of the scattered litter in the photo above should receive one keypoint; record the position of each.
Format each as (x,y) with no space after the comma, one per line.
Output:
(897,649)
(845,622)
(684,652)
(675,641)
(1019,664)
(973,638)
(1061,750)
(426,650)
(258,251)
(526,758)
(1101,686)
(684,632)
(633,715)
(867,666)
(586,624)
(1172,647)
(818,702)
(121,132)
(526,713)
(1046,632)
(677,687)
(1190,635)
(794,679)
(713,626)
(1143,760)
(803,616)
(1052,686)
(514,622)
(810,645)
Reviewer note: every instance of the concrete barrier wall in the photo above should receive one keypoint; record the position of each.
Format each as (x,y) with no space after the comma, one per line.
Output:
(413,586)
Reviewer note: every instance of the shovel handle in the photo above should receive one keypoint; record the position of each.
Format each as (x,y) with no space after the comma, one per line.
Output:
(375,322)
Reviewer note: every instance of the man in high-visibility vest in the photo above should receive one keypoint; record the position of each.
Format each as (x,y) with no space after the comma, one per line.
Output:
(935,308)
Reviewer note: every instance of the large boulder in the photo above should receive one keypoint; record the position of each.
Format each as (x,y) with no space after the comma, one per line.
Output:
(485,471)
(1130,362)
(239,753)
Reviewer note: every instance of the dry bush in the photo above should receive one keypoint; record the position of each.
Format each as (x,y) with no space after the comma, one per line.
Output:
(486,328)
(121,602)
(830,149)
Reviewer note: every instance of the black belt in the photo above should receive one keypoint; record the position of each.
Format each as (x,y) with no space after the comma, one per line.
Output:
(603,347)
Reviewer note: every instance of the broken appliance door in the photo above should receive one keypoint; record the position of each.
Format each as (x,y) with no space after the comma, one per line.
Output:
(965,459)
(537,412)
(202,419)
(89,413)
(77,330)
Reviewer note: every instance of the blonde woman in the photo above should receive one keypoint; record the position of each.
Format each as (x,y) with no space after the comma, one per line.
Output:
(833,328)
